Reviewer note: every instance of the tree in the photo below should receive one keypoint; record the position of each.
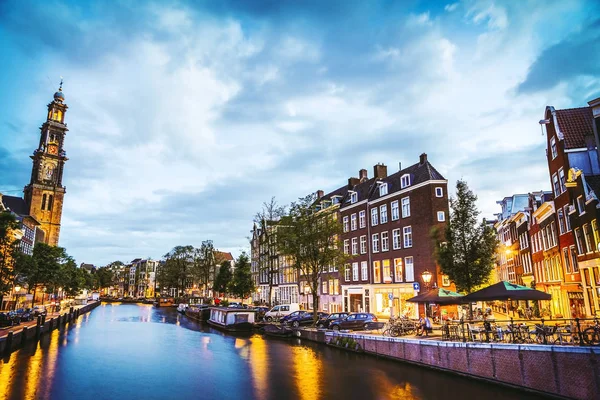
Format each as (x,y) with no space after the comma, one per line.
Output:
(242,285)
(223,279)
(104,277)
(204,265)
(309,238)
(177,268)
(8,253)
(267,218)
(45,267)
(466,251)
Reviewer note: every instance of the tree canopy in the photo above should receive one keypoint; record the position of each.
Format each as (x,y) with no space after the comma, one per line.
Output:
(8,252)
(223,280)
(242,285)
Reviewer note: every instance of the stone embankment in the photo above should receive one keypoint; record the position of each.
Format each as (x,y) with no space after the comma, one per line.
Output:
(561,371)
(14,338)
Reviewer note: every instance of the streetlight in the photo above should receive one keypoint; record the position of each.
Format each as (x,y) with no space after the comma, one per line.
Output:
(17,290)
(426,276)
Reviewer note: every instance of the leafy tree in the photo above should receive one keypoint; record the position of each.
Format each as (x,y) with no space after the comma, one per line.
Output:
(45,267)
(267,218)
(104,277)
(8,252)
(223,280)
(205,262)
(177,268)
(309,238)
(242,285)
(466,250)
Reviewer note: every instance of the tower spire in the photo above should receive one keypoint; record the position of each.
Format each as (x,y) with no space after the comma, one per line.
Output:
(61,82)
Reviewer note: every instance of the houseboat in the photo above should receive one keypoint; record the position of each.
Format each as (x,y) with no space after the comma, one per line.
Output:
(199,312)
(164,302)
(232,319)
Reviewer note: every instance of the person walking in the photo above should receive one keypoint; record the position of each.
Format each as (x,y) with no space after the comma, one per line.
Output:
(424,325)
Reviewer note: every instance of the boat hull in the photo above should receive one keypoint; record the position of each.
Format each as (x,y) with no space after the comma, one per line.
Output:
(199,315)
(240,327)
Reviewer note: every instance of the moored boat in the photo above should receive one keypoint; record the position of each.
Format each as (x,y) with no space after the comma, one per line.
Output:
(181,308)
(164,302)
(232,319)
(199,312)
(277,331)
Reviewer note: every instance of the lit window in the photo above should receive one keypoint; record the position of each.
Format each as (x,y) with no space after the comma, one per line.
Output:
(398,270)
(376,272)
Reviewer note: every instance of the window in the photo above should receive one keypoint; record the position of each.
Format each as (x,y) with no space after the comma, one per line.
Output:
(409,270)
(354,246)
(566,260)
(383,214)
(363,244)
(407,236)
(567,220)
(346,246)
(375,242)
(353,222)
(406,207)
(395,211)
(336,286)
(561,179)
(347,273)
(580,205)
(376,272)
(553,233)
(361,219)
(405,181)
(398,270)
(574,263)
(579,240)
(587,234)
(439,192)
(441,216)
(324,290)
(553,147)
(383,189)
(353,197)
(596,234)
(50,201)
(385,243)
(556,185)
(561,221)
(346,224)
(355,271)
(387,273)
(331,288)
(363,270)
(445,280)
(374,217)
(396,239)
(44,202)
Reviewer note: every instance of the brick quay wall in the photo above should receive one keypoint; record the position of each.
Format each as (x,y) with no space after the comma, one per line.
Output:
(561,371)
(14,339)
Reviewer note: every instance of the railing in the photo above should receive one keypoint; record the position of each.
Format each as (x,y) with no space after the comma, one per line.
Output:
(576,331)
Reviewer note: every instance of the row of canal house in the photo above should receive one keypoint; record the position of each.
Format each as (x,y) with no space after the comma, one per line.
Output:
(387,220)
(549,240)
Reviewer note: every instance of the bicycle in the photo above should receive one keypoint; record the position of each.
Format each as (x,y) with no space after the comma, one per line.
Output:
(591,335)
(388,328)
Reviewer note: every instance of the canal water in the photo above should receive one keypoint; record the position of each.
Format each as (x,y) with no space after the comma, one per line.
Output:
(125,351)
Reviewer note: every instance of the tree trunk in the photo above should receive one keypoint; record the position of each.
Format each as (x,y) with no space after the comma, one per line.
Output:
(34,291)
(315,306)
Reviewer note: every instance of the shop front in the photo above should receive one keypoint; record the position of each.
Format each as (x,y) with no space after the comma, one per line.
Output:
(391,299)
(590,280)
(356,299)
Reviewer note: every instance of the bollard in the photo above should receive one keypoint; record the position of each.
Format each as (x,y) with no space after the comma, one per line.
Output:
(24,335)
(43,319)
(8,343)
(38,327)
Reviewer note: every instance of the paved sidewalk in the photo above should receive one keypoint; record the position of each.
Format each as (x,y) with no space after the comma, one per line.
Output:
(4,331)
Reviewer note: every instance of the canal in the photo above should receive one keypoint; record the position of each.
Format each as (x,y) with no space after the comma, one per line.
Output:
(125,351)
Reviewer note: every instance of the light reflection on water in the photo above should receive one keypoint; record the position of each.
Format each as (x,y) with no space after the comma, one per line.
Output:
(124,351)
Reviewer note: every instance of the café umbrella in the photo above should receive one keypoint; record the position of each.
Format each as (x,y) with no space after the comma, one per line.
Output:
(506,291)
(438,296)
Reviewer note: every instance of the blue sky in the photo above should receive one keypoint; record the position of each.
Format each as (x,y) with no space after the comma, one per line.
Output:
(185,116)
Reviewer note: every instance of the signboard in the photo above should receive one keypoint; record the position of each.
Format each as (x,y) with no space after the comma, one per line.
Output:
(390,295)
(416,286)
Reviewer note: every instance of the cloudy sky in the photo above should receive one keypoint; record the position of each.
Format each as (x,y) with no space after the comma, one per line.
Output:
(185,116)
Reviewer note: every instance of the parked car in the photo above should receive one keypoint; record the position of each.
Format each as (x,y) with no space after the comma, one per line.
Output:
(355,321)
(5,319)
(324,323)
(306,318)
(280,311)
(39,310)
(25,314)
(234,305)
(286,318)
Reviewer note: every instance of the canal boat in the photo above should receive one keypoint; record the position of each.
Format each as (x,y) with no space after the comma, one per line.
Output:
(275,331)
(164,302)
(232,319)
(199,312)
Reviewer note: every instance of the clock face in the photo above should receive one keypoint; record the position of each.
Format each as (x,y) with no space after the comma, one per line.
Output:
(53,149)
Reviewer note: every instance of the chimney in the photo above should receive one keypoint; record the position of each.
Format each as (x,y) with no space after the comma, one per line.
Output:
(353,182)
(423,158)
(380,171)
(362,175)
(320,194)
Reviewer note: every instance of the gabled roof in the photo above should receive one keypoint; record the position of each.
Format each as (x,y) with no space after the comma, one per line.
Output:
(575,124)
(419,173)
(224,256)
(15,204)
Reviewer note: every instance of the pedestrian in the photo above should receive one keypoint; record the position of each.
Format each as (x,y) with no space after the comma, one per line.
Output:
(425,325)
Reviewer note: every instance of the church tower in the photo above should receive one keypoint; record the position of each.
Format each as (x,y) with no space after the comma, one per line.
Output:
(45,193)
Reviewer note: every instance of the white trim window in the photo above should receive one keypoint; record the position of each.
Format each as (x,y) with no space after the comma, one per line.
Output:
(555,185)
(395,210)
(362,220)
(355,271)
(397,269)
(346,246)
(385,242)
(405,181)
(580,205)
(353,197)
(567,219)
(408,239)
(396,239)
(347,273)
(439,192)
(374,216)
(354,246)
(441,216)
(383,189)
(345,223)
(364,268)
(324,290)
(561,221)
(409,269)
(363,244)
(406,207)
(376,243)
(353,222)
(561,180)
(383,214)
(553,147)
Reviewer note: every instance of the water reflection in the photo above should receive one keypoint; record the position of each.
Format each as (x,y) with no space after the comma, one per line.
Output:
(128,351)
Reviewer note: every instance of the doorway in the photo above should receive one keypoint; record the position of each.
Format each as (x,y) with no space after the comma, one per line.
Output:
(356,302)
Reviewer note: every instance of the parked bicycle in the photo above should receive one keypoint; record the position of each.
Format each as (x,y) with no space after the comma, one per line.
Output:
(591,335)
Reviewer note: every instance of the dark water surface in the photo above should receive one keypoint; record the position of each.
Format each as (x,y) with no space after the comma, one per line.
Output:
(124,351)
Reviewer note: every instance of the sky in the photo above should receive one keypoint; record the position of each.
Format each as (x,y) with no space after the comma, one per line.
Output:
(185,116)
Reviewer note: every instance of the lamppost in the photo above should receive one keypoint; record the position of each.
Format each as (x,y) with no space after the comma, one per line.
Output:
(426,276)
(258,290)
(17,290)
